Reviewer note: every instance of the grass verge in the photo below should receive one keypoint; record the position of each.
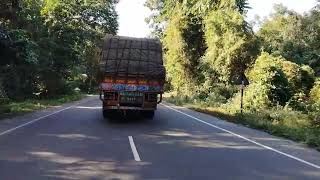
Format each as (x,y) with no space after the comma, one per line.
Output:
(289,124)
(11,108)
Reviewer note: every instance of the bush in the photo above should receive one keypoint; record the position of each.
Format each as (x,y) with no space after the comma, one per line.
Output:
(315,120)
(215,94)
(215,99)
(268,84)
(267,72)
(315,93)
(292,72)
(300,78)
(307,78)
(275,81)
(299,101)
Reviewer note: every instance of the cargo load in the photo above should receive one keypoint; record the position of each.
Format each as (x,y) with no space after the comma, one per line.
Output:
(133,58)
(132,71)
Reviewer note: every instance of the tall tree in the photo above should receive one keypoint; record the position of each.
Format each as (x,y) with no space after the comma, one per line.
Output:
(205,35)
(231,43)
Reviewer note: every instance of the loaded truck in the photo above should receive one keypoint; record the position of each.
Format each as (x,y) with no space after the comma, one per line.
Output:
(132,75)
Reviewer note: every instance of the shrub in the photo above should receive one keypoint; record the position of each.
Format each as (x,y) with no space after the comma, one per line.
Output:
(276,81)
(307,78)
(269,85)
(315,93)
(215,94)
(301,80)
(315,120)
(292,72)
(215,99)
(299,101)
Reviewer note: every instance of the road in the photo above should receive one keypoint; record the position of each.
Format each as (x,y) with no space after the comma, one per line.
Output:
(75,142)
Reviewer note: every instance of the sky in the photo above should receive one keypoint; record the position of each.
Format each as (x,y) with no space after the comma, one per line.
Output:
(132,13)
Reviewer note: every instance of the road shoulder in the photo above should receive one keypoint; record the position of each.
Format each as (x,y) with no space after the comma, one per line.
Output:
(295,149)
(13,122)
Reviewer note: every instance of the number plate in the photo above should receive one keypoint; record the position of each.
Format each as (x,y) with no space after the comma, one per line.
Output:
(131,94)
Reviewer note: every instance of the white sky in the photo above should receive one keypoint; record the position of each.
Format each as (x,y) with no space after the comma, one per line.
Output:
(132,13)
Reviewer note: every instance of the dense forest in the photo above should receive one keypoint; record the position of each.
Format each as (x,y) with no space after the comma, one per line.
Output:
(210,49)
(51,47)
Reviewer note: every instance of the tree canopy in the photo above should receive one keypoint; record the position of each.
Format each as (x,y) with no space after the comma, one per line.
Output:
(203,39)
(292,35)
(209,45)
(49,46)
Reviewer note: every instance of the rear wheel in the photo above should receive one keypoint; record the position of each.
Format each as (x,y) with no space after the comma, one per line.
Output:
(148,114)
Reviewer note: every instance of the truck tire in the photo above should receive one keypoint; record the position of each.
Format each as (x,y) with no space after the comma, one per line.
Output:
(148,114)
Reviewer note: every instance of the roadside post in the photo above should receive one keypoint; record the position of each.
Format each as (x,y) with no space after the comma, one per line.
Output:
(242,92)
(243,82)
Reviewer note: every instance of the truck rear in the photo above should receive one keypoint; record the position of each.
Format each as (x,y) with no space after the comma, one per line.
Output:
(133,75)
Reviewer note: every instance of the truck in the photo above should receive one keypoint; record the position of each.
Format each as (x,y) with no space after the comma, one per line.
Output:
(132,75)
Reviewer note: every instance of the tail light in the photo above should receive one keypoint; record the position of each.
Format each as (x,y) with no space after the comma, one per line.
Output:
(110,96)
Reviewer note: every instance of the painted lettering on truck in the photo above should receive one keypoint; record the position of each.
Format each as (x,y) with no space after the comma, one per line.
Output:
(133,74)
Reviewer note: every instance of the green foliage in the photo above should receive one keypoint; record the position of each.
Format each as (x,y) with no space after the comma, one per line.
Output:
(209,46)
(301,78)
(51,43)
(202,39)
(315,120)
(181,55)
(293,36)
(268,84)
(281,35)
(278,121)
(14,108)
(315,93)
(275,81)
(230,43)
(307,78)
(177,64)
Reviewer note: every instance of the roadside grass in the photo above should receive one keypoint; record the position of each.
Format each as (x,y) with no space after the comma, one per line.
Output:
(15,108)
(280,122)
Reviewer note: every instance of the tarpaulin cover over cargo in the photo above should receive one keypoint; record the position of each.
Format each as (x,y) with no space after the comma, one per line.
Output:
(138,58)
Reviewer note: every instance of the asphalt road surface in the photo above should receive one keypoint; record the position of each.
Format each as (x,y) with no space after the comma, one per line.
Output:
(75,142)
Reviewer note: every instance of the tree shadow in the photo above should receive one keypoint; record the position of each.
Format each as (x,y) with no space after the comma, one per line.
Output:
(99,149)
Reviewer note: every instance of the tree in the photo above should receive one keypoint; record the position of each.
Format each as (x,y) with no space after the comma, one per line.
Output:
(9,10)
(54,42)
(311,29)
(182,34)
(293,36)
(231,43)
(191,28)
(179,65)
(75,29)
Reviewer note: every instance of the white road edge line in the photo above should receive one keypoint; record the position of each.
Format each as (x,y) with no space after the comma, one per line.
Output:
(35,120)
(134,149)
(244,138)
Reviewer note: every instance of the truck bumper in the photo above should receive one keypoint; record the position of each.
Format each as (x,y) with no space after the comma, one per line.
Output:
(126,108)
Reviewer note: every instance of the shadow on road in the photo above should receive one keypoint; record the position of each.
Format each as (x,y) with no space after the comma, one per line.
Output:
(130,117)
(81,144)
